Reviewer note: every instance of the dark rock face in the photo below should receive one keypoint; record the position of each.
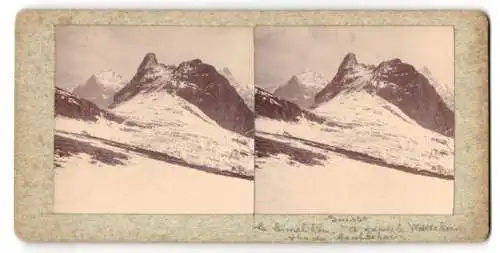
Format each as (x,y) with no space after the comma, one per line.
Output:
(149,65)
(446,93)
(349,61)
(348,72)
(415,96)
(198,83)
(245,91)
(215,96)
(68,105)
(267,105)
(398,83)
(148,61)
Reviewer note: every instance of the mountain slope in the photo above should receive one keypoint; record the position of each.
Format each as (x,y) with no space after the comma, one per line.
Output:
(246,91)
(100,88)
(195,82)
(396,82)
(302,88)
(68,105)
(176,139)
(164,125)
(94,177)
(126,160)
(362,123)
(443,90)
(357,147)
(270,106)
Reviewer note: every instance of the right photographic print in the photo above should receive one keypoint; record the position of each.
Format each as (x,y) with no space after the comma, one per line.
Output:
(354,120)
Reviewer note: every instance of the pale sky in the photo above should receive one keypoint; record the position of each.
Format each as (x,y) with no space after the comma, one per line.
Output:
(84,50)
(281,52)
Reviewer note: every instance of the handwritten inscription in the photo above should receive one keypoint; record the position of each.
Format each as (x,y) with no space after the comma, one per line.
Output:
(304,227)
(440,227)
(386,228)
(365,236)
(352,229)
(318,232)
(354,219)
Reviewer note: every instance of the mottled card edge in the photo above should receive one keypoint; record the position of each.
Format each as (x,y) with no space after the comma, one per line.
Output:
(31,224)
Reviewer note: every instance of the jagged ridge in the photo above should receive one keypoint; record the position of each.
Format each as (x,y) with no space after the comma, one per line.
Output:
(100,88)
(301,88)
(245,91)
(71,106)
(397,82)
(198,83)
(267,105)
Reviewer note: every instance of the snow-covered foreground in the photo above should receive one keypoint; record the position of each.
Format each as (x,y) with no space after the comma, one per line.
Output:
(347,186)
(130,182)
(183,130)
(364,157)
(168,124)
(165,157)
(367,124)
(147,186)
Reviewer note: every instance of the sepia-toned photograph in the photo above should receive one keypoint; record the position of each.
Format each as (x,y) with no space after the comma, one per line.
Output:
(354,120)
(251,126)
(154,119)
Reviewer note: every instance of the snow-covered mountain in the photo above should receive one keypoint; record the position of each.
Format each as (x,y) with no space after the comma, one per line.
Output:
(301,88)
(163,111)
(360,123)
(246,91)
(443,90)
(182,121)
(165,124)
(100,88)
(269,106)
(368,118)
(396,82)
(195,82)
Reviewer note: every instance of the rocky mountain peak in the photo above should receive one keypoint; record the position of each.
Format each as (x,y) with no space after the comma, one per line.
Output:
(428,74)
(349,61)
(394,65)
(226,71)
(107,75)
(398,83)
(294,79)
(301,88)
(444,90)
(148,61)
(424,70)
(196,82)
(100,87)
(245,90)
(195,61)
(195,67)
(312,76)
(392,62)
(396,71)
(192,63)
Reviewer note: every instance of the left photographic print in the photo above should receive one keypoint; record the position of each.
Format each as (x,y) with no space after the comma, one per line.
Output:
(154,119)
